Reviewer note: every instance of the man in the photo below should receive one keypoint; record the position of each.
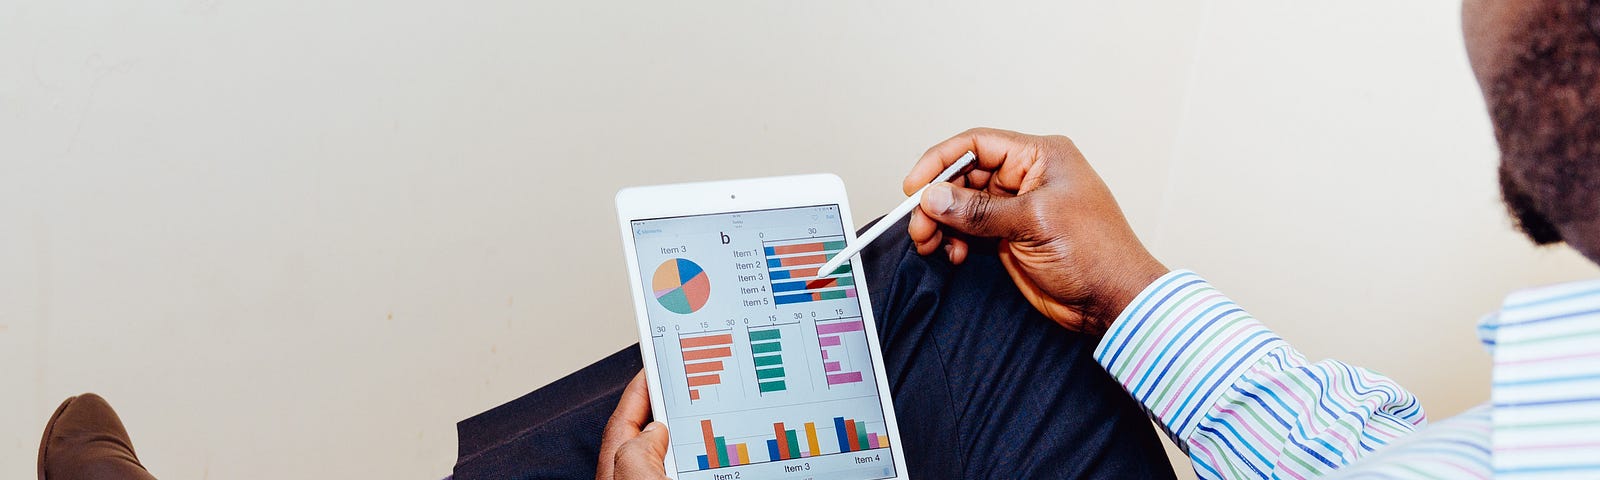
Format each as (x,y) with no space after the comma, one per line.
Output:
(1241,401)
(975,370)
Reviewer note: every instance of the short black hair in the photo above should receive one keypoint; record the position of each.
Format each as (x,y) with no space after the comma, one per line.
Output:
(1546,109)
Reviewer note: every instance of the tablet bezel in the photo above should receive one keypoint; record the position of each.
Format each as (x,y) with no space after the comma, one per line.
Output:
(732,196)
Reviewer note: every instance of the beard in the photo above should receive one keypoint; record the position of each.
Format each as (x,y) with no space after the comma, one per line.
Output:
(1546,110)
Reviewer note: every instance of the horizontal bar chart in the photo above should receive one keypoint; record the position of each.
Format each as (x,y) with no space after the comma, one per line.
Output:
(792,270)
(766,353)
(703,360)
(830,338)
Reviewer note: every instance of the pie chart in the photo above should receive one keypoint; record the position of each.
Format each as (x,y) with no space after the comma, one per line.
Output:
(681,286)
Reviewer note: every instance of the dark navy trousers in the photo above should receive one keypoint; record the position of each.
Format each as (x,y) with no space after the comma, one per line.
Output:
(984,387)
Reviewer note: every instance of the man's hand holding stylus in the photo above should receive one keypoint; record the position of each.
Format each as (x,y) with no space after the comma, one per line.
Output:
(1061,235)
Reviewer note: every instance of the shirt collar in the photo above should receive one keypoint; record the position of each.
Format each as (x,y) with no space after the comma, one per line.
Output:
(1538,304)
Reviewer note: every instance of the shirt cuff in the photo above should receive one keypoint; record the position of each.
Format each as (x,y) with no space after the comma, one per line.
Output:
(1179,346)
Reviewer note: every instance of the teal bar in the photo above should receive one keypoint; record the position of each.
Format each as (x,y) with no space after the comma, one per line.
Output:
(773,386)
(794,444)
(722,452)
(769,360)
(767,347)
(839,245)
(768,373)
(759,335)
(861,434)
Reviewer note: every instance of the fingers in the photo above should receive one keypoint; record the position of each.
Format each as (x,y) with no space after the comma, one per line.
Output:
(978,179)
(993,147)
(975,212)
(925,233)
(928,238)
(957,250)
(631,413)
(633,410)
(643,456)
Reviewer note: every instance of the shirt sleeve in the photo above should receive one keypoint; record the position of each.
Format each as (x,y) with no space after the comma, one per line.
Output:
(1238,399)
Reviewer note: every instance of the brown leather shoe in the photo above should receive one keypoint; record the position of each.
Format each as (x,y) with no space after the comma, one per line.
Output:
(86,441)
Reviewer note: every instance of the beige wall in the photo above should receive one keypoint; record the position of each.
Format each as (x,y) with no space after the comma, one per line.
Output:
(297,239)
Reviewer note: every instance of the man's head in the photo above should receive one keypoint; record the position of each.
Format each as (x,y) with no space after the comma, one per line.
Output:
(1538,64)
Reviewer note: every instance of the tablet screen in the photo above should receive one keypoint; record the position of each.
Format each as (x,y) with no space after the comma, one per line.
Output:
(764,364)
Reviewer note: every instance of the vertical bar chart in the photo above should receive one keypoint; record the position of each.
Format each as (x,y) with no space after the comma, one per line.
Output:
(766,348)
(792,270)
(787,443)
(703,356)
(853,435)
(718,452)
(836,359)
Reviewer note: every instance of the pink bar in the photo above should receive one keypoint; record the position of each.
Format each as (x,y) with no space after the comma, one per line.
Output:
(824,354)
(828,341)
(851,293)
(872,440)
(838,378)
(830,366)
(839,327)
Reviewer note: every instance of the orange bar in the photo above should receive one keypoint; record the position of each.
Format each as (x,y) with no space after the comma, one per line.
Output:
(855,440)
(811,438)
(744,454)
(694,394)
(800,248)
(703,380)
(709,353)
(783,441)
(802,273)
(693,368)
(711,443)
(805,260)
(707,341)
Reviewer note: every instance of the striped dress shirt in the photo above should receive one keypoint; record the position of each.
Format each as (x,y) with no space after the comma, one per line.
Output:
(1242,403)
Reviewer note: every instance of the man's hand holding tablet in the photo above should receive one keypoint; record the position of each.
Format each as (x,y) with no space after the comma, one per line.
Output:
(633,446)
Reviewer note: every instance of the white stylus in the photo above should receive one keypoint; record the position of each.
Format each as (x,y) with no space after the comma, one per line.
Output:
(893,217)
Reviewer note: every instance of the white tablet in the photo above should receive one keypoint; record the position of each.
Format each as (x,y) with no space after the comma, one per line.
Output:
(759,367)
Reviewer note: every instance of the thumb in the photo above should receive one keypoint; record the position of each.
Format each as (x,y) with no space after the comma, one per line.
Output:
(975,212)
(642,456)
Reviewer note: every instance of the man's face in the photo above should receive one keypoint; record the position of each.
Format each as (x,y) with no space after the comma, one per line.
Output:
(1538,65)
